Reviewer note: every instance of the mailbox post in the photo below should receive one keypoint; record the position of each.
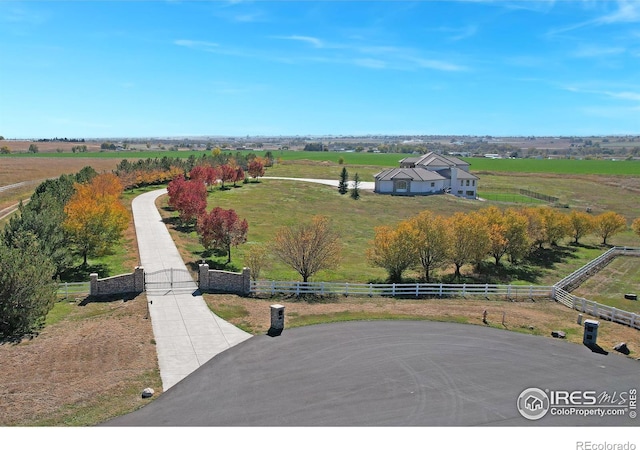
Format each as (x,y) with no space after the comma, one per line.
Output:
(277,320)
(590,332)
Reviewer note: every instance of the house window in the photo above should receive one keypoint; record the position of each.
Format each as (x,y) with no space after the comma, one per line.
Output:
(433,184)
(470,194)
(401,185)
(473,182)
(459,192)
(467,182)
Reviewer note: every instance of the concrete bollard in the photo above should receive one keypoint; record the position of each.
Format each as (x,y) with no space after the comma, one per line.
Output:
(579,319)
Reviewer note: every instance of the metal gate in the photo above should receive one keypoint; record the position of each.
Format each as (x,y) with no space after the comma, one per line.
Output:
(170,279)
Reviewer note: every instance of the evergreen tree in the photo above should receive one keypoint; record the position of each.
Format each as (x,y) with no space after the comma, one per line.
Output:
(27,289)
(355,192)
(343,184)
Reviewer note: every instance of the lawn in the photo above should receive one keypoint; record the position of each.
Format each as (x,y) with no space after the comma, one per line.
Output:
(262,205)
(621,276)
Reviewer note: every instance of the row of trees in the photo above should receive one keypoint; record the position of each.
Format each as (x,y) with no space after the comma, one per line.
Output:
(430,242)
(71,216)
(343,184)
(152,171)
(219,229)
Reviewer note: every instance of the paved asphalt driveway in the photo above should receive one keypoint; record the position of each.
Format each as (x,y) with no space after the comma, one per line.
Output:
(399,373)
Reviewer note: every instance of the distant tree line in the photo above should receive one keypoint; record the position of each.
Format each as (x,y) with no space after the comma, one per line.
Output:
(61,140)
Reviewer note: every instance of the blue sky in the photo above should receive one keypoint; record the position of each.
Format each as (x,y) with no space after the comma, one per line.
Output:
(237,68)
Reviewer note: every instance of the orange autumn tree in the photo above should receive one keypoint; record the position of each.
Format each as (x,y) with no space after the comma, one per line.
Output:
(96,218)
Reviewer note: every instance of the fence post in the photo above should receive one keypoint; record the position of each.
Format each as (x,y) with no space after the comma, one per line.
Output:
(370,290)
(440,295)
(346,289)
(417,289)
(464,289)
(297,289)
(613,314)
(633,320)
(393,290)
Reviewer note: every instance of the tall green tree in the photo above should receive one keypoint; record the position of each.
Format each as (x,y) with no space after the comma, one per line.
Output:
(355,192)
(27,288)
(42,217)
(343,184)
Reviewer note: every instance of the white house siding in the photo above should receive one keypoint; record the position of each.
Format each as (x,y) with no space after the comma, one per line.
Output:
(424,187)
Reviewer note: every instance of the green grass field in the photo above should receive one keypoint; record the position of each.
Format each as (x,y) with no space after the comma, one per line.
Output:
(271,204)
(558,166)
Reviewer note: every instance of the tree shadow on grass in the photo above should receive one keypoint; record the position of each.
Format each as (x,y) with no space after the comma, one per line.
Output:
(109,298)
(506,273)
(216,259)
(81,273)
(548,257)
(178,225)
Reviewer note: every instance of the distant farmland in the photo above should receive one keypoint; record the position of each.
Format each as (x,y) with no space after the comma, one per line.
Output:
(557,166)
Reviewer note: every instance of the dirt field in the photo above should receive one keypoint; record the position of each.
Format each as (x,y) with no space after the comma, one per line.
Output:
(89,366)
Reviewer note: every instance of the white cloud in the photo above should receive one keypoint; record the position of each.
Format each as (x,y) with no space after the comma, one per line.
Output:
(371,63)
(202,45)
(317,43)
(594,51)
(626,95)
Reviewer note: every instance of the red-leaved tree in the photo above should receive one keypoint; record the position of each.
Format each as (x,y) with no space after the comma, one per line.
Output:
(256,168)
(206,174)
(188,197)
(220,229)
(226,173)
(239,176)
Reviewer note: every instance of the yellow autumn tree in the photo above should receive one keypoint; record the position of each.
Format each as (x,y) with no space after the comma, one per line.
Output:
(95,217)
(431,240)
(393,250)
(469,239)
(581,224)
(609,224)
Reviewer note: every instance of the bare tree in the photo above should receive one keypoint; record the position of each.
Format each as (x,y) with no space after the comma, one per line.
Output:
(308,247)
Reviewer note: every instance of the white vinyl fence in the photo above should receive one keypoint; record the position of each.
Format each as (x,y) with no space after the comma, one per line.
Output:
(72,289)
(597,310)
(398,290)
(560,292)
(563,288)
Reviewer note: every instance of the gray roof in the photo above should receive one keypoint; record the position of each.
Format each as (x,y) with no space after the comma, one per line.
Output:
(433,159)
(414,174)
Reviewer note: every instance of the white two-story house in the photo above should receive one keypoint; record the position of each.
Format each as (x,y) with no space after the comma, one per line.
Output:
(428,174)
